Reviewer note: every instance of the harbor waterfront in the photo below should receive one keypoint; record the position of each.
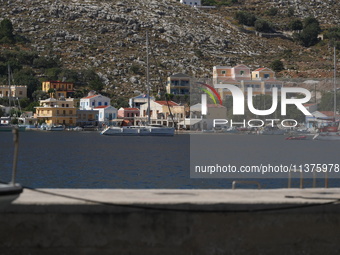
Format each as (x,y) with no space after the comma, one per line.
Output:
(91,161)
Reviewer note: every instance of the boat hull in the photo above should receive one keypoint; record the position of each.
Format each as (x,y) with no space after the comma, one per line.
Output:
(138,131)
(8,193)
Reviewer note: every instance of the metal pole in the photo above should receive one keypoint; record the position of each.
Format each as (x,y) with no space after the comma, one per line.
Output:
(147,75)
(15,132)
(334,82)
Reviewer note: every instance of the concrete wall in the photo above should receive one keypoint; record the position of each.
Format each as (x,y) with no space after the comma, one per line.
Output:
(36,224)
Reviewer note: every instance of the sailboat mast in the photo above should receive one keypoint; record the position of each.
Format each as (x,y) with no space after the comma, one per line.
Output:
(147,75)
(9,86)
(334,82)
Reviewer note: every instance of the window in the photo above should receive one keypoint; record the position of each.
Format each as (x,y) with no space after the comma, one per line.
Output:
(99,103)
(93,103)
(241,72)
(266,75)
(223,72)
(66,105)
(105,103)
(70,112)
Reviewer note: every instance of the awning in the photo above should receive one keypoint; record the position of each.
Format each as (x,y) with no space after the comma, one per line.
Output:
(188,122)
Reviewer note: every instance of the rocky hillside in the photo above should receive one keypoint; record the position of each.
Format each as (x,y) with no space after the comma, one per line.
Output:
(109,36)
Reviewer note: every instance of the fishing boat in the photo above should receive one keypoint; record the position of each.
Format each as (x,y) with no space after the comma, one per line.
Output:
(11,191)
(143,130)
(301,137)
(331,131)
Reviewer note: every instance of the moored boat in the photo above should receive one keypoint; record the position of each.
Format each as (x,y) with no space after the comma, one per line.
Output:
(149,130)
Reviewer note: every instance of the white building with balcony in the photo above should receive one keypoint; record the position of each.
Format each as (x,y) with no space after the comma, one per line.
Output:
(92,101)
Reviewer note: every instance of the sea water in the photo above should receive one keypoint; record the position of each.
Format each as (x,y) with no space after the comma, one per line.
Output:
(70,159)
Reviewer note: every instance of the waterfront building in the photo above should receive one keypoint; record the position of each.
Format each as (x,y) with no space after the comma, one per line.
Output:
(57,111)
(93,100)
(14,91)
(58,89)
(87,118)
(137,101)
(320,118)
(105,114)
(197,121)
(131,115)
(161,114)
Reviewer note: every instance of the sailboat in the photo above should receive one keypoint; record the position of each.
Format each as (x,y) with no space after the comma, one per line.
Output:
(331,132)
(8,126)
(10,191)
(145,130)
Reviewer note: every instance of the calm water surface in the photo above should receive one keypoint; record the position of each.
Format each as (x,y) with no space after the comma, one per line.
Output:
(89,160)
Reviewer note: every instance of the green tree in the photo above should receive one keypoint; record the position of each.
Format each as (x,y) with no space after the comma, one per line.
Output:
(263,26)
(120,102)
(290,12)
(333,35)
(272,11)
(309,35)
(295,25)
(245,18)
(39,95)
(327,101)
(27,77)
(6,31)
(277,65)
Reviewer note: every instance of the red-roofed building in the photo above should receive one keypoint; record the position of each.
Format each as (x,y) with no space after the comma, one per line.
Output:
(262,74)
(261,81)
(128,112)
(92,101)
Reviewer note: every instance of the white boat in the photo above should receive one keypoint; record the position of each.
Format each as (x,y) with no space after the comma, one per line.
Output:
(144,130)
(148,130)
(55,128)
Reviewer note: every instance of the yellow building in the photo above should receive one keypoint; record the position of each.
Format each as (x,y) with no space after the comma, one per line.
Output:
(57,112)
(61,89)
(13,91)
